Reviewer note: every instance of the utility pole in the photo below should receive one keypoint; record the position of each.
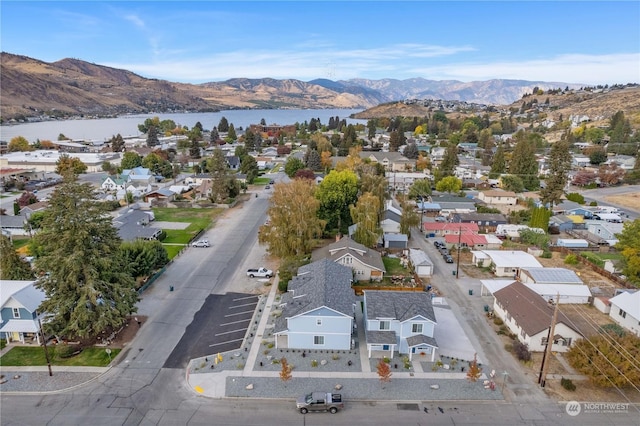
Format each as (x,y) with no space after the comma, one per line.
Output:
(547,353)
(44,345)
(459,242)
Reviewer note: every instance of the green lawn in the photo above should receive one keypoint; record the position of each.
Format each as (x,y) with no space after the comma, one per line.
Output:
(599,258)
(393,266)
(198,219)
(261,181)
(20,242)
(29,355)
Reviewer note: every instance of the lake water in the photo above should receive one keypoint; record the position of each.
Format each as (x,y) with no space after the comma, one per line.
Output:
(105,128)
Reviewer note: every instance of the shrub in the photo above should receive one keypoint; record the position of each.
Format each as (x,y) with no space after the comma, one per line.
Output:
(546,254)
(67,351)
(283,285)
(576,197)
(335,357)
(593,203)
(314,363)
(386,359)
(522,351)
(571,259)
(568,384)
(508,347)
(498,321)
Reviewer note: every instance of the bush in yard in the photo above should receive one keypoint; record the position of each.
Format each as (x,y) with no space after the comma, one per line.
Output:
(571,259)
(498,321)
(567,384)
(66,351)
(522,351)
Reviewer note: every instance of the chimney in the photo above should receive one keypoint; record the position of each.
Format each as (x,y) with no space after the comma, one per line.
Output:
(338,237)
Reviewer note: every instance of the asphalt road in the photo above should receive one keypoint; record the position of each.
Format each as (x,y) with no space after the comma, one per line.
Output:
(219,326)
(140,391)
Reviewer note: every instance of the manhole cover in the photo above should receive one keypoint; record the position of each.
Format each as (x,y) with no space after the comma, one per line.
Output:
(408,407)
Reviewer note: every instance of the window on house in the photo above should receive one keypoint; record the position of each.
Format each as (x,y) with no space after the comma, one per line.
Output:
(16,313)
(319,321)
(416,328)
(622,313)
(385,325)
(543,341)
(318,340)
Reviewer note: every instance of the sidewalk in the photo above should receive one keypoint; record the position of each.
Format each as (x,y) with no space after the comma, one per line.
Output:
(222,378)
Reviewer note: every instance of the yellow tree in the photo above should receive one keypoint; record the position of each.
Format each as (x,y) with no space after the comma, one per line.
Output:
(365,215)
(474,372)
(422,162)
(352,161)
(294,222)
(325,160)
(19,143)
(70,165)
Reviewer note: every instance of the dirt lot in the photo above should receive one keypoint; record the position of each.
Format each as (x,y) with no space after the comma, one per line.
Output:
(631,200)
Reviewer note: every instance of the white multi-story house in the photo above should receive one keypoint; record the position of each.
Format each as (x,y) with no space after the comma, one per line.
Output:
(399,321)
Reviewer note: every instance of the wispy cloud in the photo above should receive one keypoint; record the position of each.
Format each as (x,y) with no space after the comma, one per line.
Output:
(579,68)
(136,20)
(300,64)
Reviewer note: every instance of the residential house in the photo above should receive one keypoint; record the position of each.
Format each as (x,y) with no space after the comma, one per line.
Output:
(422,264)
(585,212)
(564,207)
(437,155)
(580,161)
(391,161)
(19,301)
(366,263)
(606,230)
(233,162)
(429,209)
(625,310)
(498,197)
(399,321)
(134,225)
(439,229)
(608,217)
(561,223)
(138,176)
(28,210)
(529,317)
(487,222)
(626,162)
(548,276)
(473,241)
(160,194)
(318,309)
(14,225)
(395,241)
(402,181)
(113,183)
(391,216)
(450,204)
(504,263)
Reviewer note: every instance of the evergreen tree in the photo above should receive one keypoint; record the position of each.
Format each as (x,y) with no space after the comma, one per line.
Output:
(223,125)
(231,135)
(523,163)
(371,129)
(411,151)
(396,140)
(450,160)
(559,166)
(88,286)
(249,140)
(12,266)
(219,171)
(194,149)
(312,160)
(152,137)
(214,136)
(117,143)
(498,165)
(130,160)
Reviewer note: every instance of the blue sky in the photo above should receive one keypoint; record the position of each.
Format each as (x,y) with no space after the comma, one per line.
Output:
(200,41)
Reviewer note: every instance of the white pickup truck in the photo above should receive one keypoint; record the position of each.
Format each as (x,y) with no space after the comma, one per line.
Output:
(260,272)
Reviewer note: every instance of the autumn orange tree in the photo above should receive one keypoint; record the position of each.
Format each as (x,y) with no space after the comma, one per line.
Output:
(285,371)
(474,372)
(384,371)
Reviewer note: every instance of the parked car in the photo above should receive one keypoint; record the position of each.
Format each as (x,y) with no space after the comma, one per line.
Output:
(260,272)
(201,243)
(267,187)
(448,258)
(320,401)
(271,182)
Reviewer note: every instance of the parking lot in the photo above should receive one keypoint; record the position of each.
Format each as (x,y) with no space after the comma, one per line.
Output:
(219,326)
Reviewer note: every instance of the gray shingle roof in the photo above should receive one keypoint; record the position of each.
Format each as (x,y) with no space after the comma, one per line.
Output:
(376,337)
(400,305)
(339,249)
(30,297)
(420,339)
(318,284)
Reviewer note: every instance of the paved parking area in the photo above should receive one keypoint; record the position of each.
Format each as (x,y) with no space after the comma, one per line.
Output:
(219,326)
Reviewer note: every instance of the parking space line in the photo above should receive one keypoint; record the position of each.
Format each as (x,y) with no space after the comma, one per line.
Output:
(239,313)
(240,306)
(244,298)
(229,332)
(234,322)
(224,343)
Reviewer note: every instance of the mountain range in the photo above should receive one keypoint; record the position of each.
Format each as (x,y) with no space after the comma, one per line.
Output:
(31,87)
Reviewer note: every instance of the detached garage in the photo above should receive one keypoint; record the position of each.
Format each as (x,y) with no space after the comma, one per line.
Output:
(421,263)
